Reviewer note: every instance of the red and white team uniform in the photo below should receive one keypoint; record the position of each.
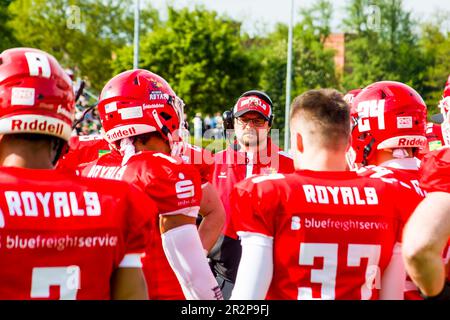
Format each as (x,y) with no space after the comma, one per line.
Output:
(232,166)
(83,149)
(176,189)
(390,117)
(333,233)
(63,236)
(406,171)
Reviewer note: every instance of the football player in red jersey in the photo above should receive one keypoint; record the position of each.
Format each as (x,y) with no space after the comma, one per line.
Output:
(389,126)
(252,152)
(389,123)
(61,236)
(322,232)
(140,114)
(85,149)
(427,233)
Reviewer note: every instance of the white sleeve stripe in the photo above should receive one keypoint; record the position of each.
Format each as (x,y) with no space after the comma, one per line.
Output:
(255,238)
(131,260)
(190,212)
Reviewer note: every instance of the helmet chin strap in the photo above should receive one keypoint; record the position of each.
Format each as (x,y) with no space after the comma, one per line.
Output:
(366,152)
(127,150)
(163,128)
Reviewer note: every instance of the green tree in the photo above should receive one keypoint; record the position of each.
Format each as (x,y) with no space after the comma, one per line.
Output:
(82,34)
(7,39)
(435,44)
(201,55)
(313,64)
(382,44)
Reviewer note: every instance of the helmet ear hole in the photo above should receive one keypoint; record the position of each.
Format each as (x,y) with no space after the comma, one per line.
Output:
(165,116)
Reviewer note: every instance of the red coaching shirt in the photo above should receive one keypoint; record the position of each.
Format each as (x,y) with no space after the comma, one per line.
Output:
(334,232)
(62,236)
(232,166)
(176,189)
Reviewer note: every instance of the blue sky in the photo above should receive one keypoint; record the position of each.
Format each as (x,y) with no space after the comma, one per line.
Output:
(262,15)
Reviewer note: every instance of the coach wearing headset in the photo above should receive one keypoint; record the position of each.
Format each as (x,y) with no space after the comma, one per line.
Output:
(250,152)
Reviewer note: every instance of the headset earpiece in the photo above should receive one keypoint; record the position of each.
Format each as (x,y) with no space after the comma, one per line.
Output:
(270,120)
(228,120)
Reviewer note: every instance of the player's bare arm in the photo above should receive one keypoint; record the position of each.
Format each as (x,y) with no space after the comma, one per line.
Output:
(213,213)
(424,239)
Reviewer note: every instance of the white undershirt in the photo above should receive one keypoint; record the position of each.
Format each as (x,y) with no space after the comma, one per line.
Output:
(405,164)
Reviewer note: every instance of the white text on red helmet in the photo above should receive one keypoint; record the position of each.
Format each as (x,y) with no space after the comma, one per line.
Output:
(38,64)
(159,96)
(370,109)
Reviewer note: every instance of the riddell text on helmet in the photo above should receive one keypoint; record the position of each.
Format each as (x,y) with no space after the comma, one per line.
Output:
(120,133)
(416,142)
(36,125)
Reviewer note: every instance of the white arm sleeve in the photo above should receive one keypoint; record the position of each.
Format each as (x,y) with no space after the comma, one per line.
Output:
(394,277)
(185,254)
(131,260)
(255,268)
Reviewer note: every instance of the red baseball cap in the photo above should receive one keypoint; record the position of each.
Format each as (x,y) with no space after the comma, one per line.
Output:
(252,103)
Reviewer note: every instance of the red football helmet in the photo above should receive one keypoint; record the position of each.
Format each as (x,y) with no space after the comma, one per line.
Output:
(36,94)
(138,101)
(444,106)
(387,115)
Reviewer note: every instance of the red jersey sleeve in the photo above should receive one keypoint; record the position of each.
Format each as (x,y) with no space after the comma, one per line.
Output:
(174,185)
(254,204)
(404,208)
(435,171)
